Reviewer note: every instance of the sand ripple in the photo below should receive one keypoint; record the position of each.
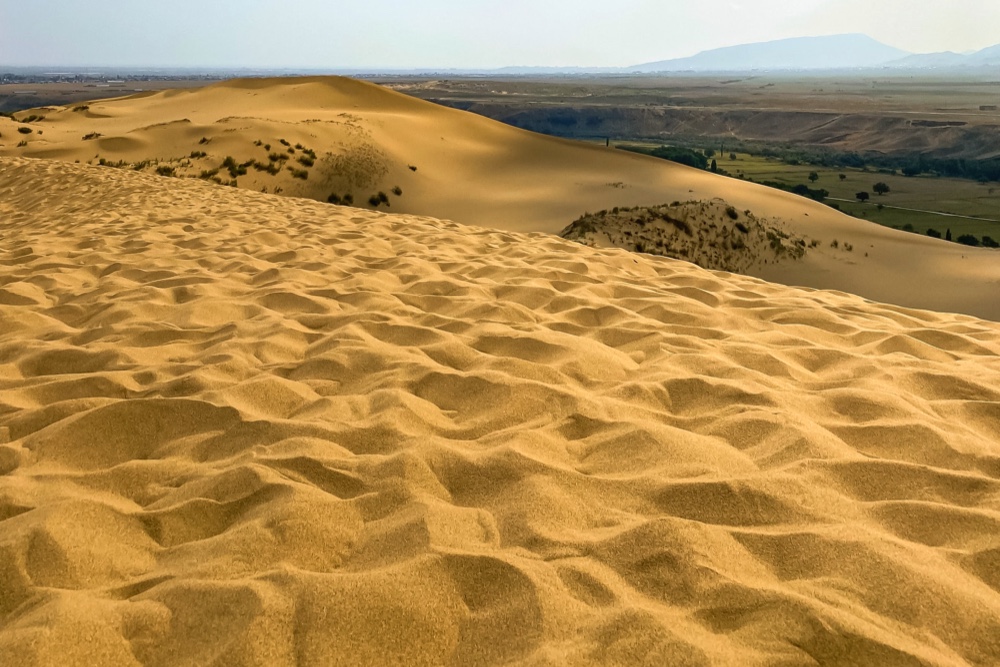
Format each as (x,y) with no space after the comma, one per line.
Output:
(244,430)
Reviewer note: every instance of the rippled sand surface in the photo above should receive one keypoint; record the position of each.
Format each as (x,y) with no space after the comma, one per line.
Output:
(240,429)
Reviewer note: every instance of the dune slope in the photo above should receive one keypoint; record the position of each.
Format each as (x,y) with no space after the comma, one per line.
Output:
(329,136)
(241,429)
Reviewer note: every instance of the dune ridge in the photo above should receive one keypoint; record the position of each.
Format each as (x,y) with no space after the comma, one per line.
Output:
(240,429)
(330,137)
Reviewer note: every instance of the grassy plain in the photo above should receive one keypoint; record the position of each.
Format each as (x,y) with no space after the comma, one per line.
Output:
(925,202)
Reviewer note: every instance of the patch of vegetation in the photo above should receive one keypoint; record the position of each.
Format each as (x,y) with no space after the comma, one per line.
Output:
(398,191)
(299,173)
(270,167)
(732,213)
(378,199)
(684,156)
(346,200)
(208,173)
(82,107)
(277,157)
(412,168)
(234,169)
(33,118)
(306,161)
(968,239)
(22,144)
(165,170)
(204,140)
(283,142)
(933,233)
(25,130)
(92,135)
(197,155)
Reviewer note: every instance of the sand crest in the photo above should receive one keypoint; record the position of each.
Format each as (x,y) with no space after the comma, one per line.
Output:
(239,429)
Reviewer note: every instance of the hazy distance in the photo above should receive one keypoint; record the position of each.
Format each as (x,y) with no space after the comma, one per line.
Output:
(457,33)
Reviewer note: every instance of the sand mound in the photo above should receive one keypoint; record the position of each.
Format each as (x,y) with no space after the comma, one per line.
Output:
(712,235)
(245,430)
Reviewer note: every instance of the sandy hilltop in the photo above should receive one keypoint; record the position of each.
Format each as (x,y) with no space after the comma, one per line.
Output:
(241,429)
(341,140)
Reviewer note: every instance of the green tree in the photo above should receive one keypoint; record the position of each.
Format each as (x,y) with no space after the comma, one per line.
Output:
(843,177)
(881,188)
(715,166)
(813,176)
(863,196)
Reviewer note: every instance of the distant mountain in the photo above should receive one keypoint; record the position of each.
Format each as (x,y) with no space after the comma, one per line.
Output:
(929,60)
(799,53)
(989,57)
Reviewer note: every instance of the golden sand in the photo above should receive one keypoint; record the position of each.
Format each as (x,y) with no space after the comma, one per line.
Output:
(472,170)
(241,429)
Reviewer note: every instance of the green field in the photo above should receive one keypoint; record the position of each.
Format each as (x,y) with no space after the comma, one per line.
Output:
(929,196)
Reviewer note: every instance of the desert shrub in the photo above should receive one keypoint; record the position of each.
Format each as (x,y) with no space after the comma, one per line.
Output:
(291,151)
(383,197)
(814,243)
(310,152)
(208,173)
(92,135)
(848,247)
(398,191)
(306,161)
(988,242)
(334,199)
(933,233)
(22,144)
(804,190)
(204,140)
(283,142)
(269,167)
(165,170)
(277,157)
(299,173)
(413,168)
(732,213)
(195,155)
(907,227)
(32,118)
(835,243)
(258,143)
(267,147)
(24,130)
(968,239)
(348,199)
(374,201)
(82,107)
(743,228)
(300,147)
(234,169)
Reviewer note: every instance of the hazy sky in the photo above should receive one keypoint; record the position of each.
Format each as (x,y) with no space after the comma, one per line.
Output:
(458,33)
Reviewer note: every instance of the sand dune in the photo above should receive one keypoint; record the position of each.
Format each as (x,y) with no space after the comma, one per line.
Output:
(241,429)
(317,137)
